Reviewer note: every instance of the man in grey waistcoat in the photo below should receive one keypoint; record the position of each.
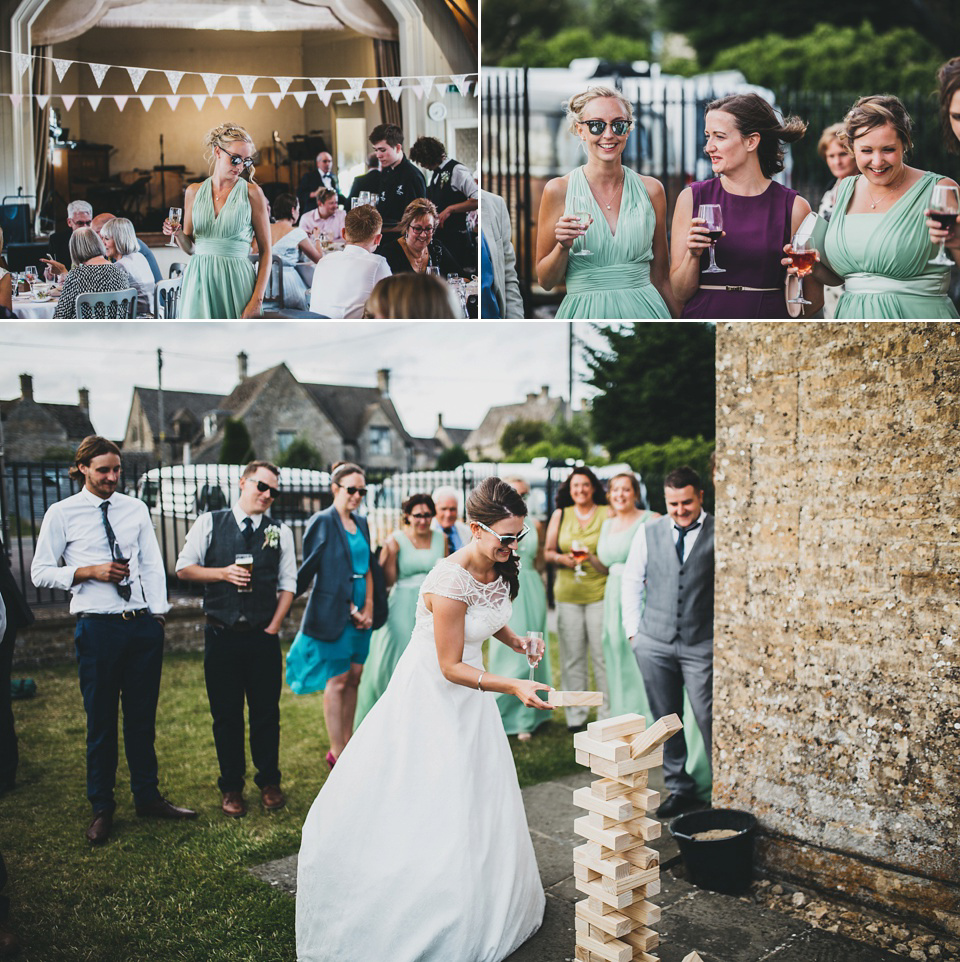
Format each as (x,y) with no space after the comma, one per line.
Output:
(671,559)
(244,609)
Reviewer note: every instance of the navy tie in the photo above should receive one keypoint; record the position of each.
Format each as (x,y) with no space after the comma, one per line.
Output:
(682,533)
(248,531)
(115,553)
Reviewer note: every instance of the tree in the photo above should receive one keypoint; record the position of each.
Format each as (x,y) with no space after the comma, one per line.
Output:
(533,50)
(656,381)
(654,462)
(522,433)
(300,453)
(451,458)
(506,21)
(236,447)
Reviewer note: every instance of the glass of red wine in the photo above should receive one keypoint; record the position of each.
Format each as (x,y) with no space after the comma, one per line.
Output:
(944,207)
(803,253)
(712,218)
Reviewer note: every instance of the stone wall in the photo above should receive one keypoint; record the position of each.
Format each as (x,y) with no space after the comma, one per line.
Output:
(837,703)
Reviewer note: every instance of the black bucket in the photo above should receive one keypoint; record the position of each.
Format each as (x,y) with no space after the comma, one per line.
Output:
(721,865)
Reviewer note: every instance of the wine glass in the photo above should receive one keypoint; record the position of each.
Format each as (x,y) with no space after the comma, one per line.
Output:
(712,217)
(580,554)
(30,273)
(944,207)
(174,216)
(586,220)
(533,642)
(803,253)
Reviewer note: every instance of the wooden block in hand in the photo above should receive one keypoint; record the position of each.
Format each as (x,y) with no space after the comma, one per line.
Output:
(608,728)
(655,735)
(571,699)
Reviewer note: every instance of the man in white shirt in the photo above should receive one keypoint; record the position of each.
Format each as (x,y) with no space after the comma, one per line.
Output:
(447,504)
(245,607)
(671,562)
(101,546)
(343,280)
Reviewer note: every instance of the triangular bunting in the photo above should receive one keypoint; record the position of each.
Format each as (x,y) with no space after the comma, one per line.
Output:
(136,76)
(460,79)
(173,78)
(173,101)
(320,83)
(356,83)
(247,82)
(120,101)
(15,99)
(325,96)
(373,93)
(68,100)
(99,71)
(61,67)
(43,100)
(275,99)
(199,100)
(393,85)
(147,101)
(350,95)
(94,100)
(225,100)
(22,61)
(210,81)
(284,84)
(300,96)
(250,100)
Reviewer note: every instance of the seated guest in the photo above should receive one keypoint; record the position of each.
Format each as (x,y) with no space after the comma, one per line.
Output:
(289,242)
(344,279)
(79,214)
(414,248)
(370,181)
(120,241)
(58,266)
(419,296)
(91,272)
(326,220)
(313,181)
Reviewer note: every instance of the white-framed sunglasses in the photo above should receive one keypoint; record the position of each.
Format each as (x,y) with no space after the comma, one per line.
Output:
(505,539)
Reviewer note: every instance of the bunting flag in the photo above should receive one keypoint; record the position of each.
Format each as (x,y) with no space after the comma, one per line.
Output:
(61,67)
(393,85)
(320,83)
(284,84)
(350,95)
(172,101)
(136,76)
(250,100)
(16,99)
(99,71)
(373,93)
(120,101)
(147,101)
(300,96)
(225,99)
(423,87)
(275,99)
(22,61)
(94,101)
(325,97)
(68,100)
(199,100)
(460,79)
(173,78)
(247,82)
(210,81)
(43,100)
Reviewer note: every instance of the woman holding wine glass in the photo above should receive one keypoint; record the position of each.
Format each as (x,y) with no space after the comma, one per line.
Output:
(883,240)
(602,227)
(221,216)
(742,212)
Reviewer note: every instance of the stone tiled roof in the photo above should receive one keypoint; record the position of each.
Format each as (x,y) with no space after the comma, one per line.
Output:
(348,408)
(536,408)
(175,402)
(73,418)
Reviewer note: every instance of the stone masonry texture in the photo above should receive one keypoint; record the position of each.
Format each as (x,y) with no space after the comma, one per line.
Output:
(837,672)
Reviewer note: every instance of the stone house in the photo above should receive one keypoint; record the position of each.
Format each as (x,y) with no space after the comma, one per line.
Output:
(483,443)
(37,430)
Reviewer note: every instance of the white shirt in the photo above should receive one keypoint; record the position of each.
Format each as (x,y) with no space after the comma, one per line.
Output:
(72,536)
(194,549)
(344,279)
(461,179)
(634,578)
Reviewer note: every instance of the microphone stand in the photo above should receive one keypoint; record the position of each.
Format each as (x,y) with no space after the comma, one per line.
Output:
(163,180)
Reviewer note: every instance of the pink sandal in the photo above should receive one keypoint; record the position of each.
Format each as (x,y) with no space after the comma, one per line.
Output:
(331,760)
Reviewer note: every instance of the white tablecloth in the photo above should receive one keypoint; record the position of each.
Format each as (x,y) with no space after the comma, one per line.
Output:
(30,309)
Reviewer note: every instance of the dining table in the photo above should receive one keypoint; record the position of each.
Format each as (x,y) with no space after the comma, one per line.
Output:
(33,307)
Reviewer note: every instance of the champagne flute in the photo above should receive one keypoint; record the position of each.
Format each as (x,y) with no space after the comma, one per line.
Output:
(580,554)
(585,221)
(533,642)
(944,207)
(712,217)
(803,253)
(174,215)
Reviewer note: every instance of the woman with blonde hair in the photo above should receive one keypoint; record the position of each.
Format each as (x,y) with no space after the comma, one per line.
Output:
(418,296)
(221,216)
(603,228)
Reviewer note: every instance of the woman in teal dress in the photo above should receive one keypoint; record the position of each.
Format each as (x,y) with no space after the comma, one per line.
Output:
(529,614)
(624,681)
(879,243)
(617,267)
(407,557)
(221,216)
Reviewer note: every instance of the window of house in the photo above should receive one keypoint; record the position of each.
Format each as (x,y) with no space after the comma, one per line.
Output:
(379,440)
(284,440)
(209,425)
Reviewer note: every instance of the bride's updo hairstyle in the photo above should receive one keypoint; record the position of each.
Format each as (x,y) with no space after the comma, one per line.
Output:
(491,501)
(753,115)
(575,106)
(222,137)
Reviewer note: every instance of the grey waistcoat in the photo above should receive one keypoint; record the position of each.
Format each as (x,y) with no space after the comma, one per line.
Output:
(679,597)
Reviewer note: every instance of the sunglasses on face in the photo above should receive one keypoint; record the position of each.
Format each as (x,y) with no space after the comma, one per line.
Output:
(420,231)
(352,490)
(505,539)
(263,487)
(237,161)
(421,517)
(597,127)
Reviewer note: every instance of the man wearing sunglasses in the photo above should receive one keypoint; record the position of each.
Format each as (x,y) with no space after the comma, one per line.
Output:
(245,608)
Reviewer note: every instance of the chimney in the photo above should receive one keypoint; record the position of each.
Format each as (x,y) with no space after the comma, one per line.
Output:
(242,366)
(531,398)
(544,392)
(439,421)
(26,387)
(84,399)
(383,381)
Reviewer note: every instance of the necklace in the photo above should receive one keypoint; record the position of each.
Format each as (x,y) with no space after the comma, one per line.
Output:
(613,196)
(584,517)
(890,192)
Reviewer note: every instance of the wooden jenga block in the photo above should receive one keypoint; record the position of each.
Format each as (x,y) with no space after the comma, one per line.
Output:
(585,928)
(586,874)
(631,882)
(583,955)
(609,788)
(616,924)
(607,728)
(613,951)
(614,750)
(641,856)
(620,809)
(643,913)
(644,798)
(643,939)
(655,735)
(615,839)
(569,699)
(610,867)
(645,828)
(640,956)
(619,900)
(692,957)
(601,766)
(598,906)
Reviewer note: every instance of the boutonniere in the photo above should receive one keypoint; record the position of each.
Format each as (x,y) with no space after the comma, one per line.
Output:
(445,178)
(271,537)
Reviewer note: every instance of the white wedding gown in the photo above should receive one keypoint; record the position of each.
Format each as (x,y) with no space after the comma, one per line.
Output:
(417,847)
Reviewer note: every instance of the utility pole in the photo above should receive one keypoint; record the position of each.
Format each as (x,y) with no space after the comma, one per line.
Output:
(570,374)
(163,432)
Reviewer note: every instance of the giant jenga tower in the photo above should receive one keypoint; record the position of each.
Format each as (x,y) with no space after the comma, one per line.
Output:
(615,869)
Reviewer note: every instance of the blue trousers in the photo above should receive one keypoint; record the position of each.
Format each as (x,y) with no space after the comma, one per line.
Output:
(119,663)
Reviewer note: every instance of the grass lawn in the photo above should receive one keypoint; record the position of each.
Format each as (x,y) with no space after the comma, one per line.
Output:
(169,891)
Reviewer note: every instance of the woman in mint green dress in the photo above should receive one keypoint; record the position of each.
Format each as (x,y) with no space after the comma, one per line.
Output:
(529,614)
(624,681)
(879,242)
(407,558)
(221,216)
(617,265)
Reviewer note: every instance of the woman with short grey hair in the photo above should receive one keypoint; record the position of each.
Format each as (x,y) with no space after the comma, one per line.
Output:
(91,272)
(120,240)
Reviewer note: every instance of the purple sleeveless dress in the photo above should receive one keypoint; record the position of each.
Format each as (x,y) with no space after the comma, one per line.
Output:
(757,228)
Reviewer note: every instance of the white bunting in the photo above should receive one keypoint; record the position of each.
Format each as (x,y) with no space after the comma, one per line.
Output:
(23,62)
(147,101)
(173,78)
(99,71)
(210,81)
(350,95)
(460,79)
(136,76)
(15,99)
(300,96)
(225,100)
(94,101)
(393,85)
(284,84)
(199,100)
(120,101)
(423,87)
(373,93)
(173,101)
(61,67)
(247,82)
(68,100)
(275,99)
(325,96)
(43,100)
(356,83)
(250,100)
(320,83)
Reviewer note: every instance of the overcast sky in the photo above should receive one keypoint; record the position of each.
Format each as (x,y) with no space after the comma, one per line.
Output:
(459,369)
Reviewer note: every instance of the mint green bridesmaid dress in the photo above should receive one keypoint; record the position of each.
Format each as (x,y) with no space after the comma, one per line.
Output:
(624,681)
(613,281)
(529,614)
(389,642)
(219,278)
(883,258)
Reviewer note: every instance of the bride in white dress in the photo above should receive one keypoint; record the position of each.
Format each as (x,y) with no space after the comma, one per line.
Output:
(417,847)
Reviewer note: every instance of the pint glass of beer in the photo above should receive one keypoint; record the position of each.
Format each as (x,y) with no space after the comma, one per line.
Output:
(246,561)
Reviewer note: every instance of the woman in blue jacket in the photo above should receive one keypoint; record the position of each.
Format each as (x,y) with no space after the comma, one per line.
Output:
(334,638)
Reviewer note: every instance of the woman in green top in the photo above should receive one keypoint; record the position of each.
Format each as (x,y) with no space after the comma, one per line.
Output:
(571,544)
(221,217)
(407,557)
(879,242)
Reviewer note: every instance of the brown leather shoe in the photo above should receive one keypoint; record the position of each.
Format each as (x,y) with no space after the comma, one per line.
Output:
(161,808)
(233,804)
(99,829)
(272,797)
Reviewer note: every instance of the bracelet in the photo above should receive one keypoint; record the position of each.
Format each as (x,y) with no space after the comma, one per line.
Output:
(482,673)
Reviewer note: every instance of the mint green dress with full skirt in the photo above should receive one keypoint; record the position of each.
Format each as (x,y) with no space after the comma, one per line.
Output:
(613,281)
(219,278)
(883,258)
(624,681)
(390,641)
